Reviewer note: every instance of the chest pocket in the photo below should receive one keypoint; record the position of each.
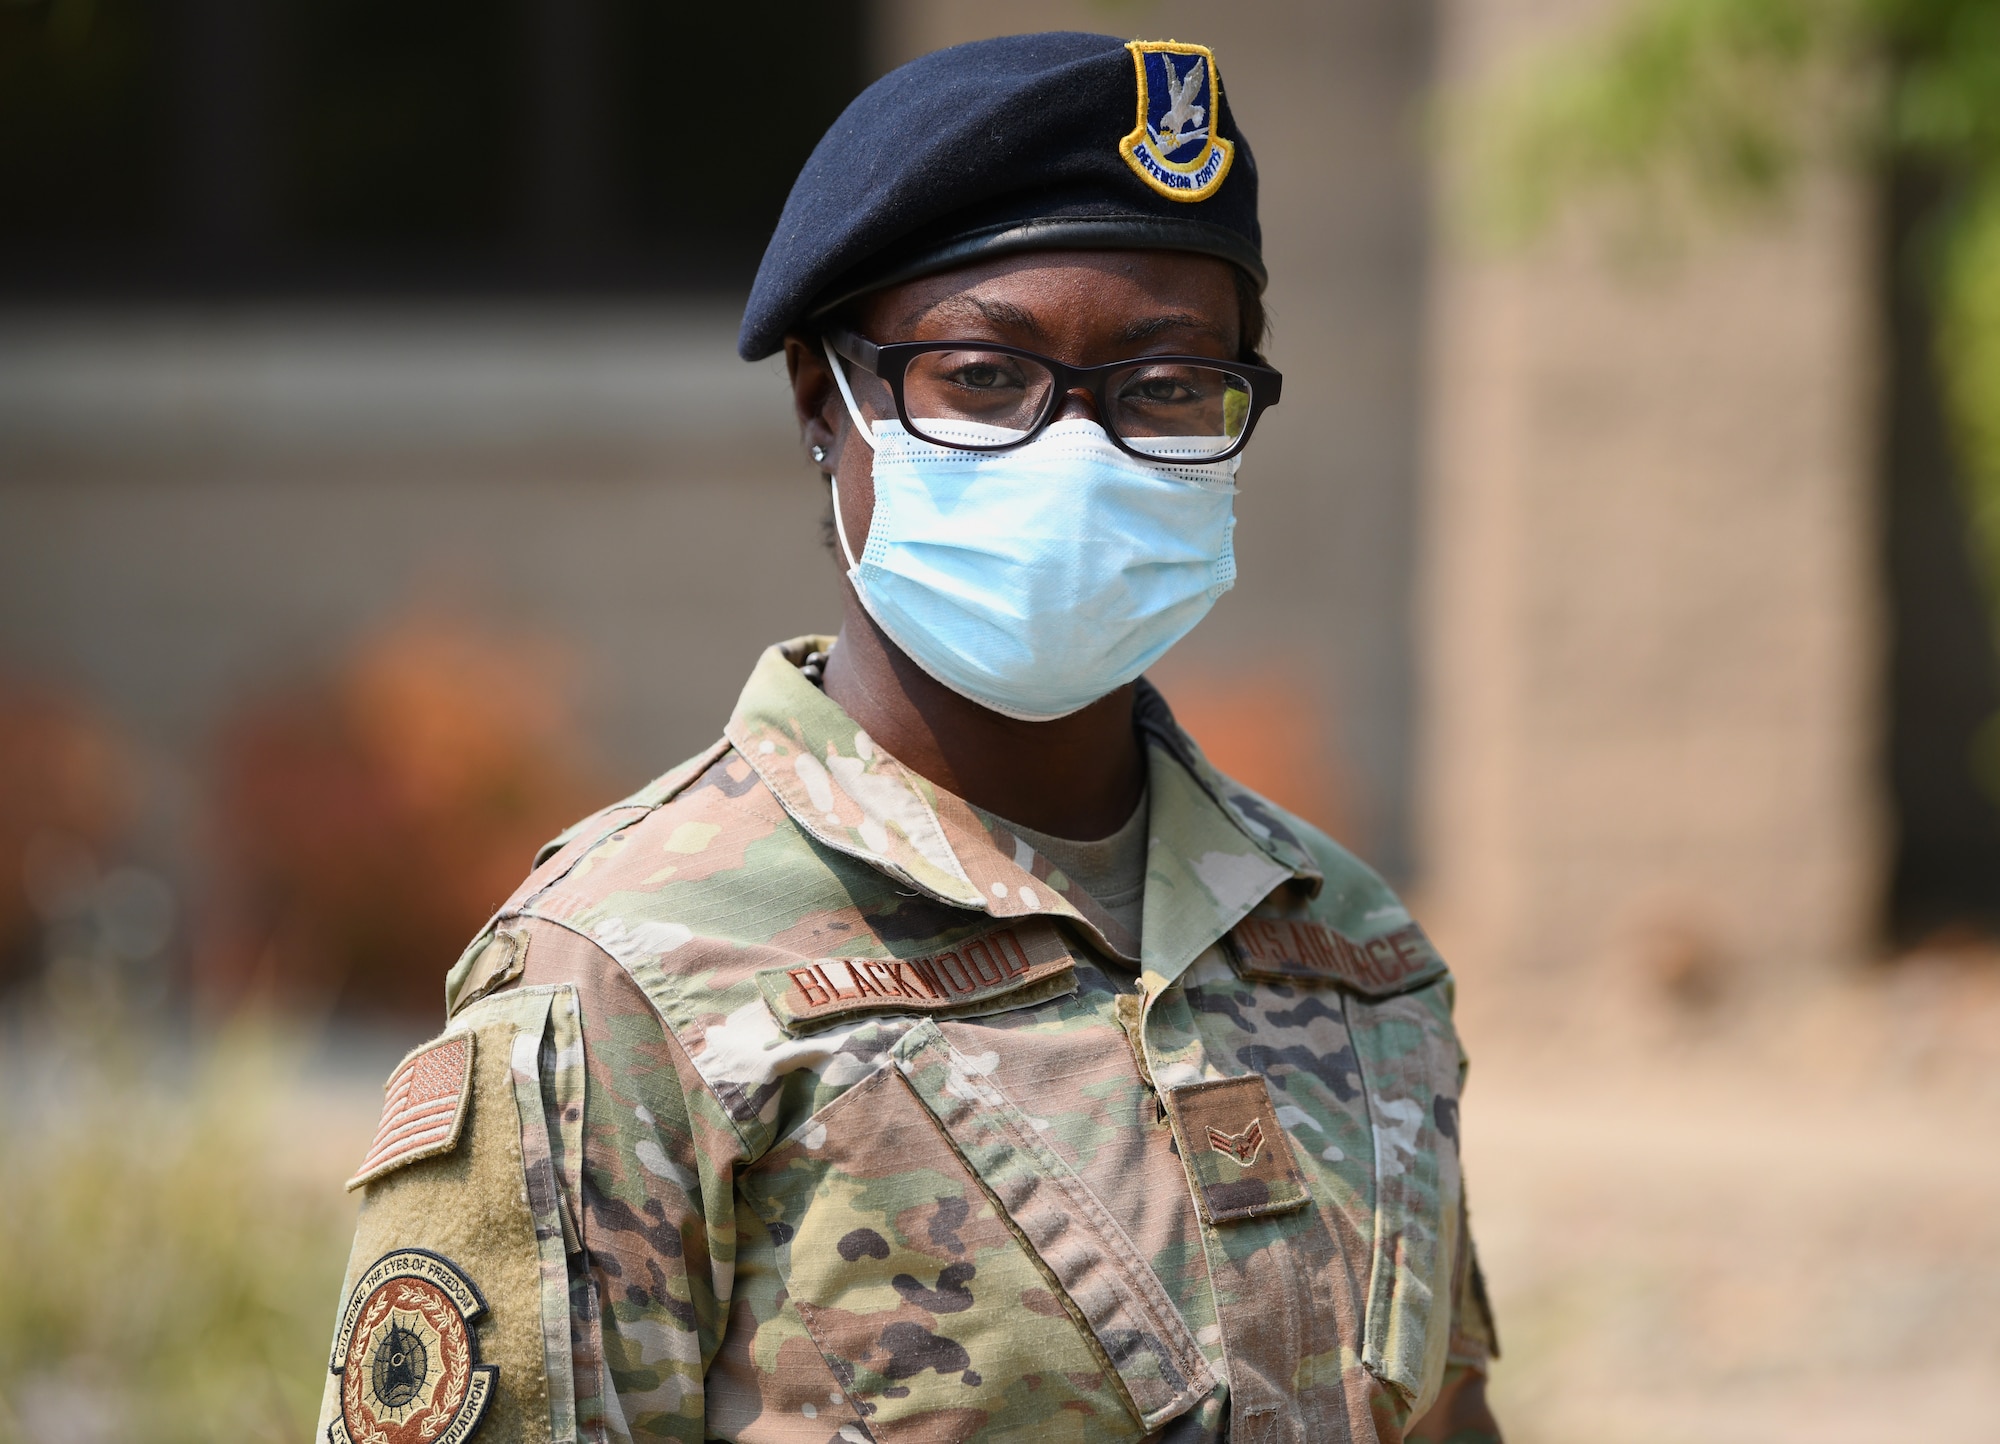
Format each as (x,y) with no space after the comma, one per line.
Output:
(956,1273)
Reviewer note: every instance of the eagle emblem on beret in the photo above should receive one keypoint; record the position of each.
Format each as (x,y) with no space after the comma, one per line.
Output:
(1175,147)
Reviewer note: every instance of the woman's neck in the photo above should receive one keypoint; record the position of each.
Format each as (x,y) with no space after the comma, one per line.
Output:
(1077,777)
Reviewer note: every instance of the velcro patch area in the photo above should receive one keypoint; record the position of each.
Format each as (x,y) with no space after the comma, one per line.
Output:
(423,1107)
(493,967)
(1301,950)
(1235,1149)
(1010,967)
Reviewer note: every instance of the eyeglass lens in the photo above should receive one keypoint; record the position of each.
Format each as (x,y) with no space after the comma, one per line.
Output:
(1167,409)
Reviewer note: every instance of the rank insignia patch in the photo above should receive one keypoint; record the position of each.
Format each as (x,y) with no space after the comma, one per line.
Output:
(1243,1147)
(406,1356)
(423,1107)
(1175,148)
(1234,1149)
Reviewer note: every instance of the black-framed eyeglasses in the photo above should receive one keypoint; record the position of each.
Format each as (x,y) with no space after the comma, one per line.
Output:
(981,396)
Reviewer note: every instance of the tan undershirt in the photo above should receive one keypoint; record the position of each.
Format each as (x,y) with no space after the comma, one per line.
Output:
(1111,869)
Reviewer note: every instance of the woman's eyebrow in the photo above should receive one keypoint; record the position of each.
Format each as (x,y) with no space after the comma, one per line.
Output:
(1004,314)
(1178,321)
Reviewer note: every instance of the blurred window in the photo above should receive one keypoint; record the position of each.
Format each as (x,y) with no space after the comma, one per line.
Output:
(81,155)
(295,146)
(402,124)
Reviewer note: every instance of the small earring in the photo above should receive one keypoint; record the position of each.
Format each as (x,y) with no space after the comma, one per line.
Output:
(818,453)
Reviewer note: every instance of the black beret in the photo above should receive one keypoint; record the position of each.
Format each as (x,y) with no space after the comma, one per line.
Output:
(1028,142)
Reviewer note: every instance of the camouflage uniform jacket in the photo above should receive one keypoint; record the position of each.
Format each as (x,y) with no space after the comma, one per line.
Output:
(797,1099)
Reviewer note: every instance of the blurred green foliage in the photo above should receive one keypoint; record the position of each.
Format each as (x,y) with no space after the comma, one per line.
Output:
(168,1267)
(1715,102)
(1688,108)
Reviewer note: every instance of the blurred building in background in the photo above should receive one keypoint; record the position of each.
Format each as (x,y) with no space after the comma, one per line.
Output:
(375,454)
(1655,605)
(379,490)
(1706,662)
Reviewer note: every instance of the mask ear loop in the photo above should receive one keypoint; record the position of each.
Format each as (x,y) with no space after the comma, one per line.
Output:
(833,485)
(847,394)
(862,428)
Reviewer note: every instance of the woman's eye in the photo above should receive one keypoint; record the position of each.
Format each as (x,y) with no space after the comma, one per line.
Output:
(981,378)
(1160,391)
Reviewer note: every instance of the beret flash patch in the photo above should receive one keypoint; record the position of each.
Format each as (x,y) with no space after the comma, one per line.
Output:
(406,1356)
(423,1107)
(1176,147)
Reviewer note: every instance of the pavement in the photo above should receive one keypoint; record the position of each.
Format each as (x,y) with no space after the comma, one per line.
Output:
(1773,1222)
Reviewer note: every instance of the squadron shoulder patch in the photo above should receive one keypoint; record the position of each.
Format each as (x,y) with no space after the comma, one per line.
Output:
(407,1357)
(1176,147)
(1011,967)
(423,1107)
(1294,950)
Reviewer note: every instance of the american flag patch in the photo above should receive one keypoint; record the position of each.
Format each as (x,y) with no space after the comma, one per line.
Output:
(424,1107)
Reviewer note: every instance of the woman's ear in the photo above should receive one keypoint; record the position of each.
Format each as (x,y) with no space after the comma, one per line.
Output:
(815,400)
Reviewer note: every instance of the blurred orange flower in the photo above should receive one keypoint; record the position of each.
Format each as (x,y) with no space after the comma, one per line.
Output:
(368,822)
(1269,732)
(67,789)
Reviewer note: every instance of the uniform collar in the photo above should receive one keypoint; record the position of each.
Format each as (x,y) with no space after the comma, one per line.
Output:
(1214,851)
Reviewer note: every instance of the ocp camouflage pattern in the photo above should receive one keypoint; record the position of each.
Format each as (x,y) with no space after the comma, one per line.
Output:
(963,1212)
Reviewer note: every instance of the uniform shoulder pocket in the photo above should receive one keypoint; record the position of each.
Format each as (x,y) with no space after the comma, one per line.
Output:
(1409,1064)
(454,1316)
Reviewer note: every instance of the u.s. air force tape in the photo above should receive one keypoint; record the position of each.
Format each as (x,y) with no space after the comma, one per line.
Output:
(1300,950)
(1008,968)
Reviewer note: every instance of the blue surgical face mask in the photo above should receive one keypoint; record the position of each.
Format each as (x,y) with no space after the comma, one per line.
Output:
(1036,580)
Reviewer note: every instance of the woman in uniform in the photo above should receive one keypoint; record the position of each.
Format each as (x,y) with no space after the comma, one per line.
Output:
(949,1052)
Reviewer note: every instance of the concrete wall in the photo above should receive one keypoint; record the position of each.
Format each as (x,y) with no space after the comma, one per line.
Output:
(1650,599)
(201,504)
